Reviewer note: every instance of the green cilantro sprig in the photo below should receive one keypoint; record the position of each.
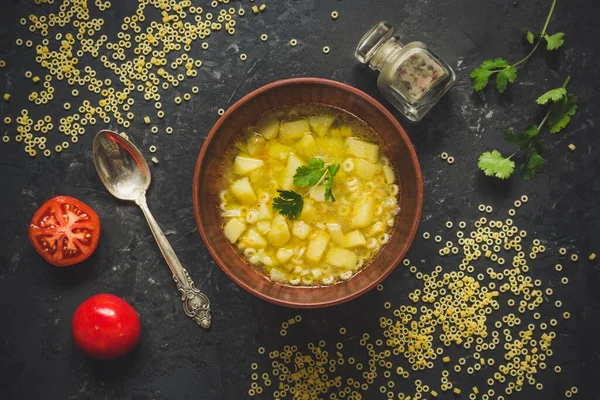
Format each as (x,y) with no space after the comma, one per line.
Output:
(291,203)
(564,106)
(506,72)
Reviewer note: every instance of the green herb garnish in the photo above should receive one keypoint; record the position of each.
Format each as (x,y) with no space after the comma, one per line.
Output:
(291,203)
(508,72)
(332,169)
(493,164)
(564,106)
(310,174)
(288,203)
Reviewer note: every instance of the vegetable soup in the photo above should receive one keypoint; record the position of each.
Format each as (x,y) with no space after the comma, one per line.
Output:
(308,195)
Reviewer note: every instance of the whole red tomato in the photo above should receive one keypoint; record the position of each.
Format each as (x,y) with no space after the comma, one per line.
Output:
(106,327)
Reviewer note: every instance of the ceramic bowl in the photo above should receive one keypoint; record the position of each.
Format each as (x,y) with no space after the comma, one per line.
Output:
(292,92)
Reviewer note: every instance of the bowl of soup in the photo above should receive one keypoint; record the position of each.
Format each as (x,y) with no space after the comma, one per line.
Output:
(307,192)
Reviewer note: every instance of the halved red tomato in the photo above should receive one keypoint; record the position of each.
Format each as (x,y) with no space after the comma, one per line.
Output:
(65,231)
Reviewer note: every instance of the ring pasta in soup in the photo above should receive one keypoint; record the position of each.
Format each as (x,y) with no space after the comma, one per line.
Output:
(308,195)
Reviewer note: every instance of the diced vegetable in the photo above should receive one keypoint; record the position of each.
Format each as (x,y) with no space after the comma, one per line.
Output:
(318,193)
(309,212)
(316,246)
(335,230)
(355,239)
(377,228)
(320,124)
(279,233)
(256,144)
(362,149)
(255,239)
(257,175)
(269,129)
(277,276)
(292,130)
(264,212)
(284,254)
(242,190)
(263,227)
(292,165)
(300,229)
(307,145)
(335,145)
(278,151)
(345,131)
(234,229)
(363,212)
(365,169)
(390,177)
(342,258)
(245,165)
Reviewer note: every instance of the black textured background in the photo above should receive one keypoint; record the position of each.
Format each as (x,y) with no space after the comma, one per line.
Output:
(175,358)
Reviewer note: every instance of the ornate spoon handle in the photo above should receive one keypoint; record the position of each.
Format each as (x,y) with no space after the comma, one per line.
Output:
(195,303)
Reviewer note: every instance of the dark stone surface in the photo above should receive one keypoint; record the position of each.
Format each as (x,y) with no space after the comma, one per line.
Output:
(175,358)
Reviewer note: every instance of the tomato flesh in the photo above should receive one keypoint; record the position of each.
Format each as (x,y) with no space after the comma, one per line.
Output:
(65,231)
(105,327)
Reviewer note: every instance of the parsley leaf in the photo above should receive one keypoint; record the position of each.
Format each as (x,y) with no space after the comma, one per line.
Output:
(493,164)
(288,203)
(561,113)
(332,169)
(310,174)
(522,138)
(555,41)
(533,164)
(554,95)
(481,75)
(508,74)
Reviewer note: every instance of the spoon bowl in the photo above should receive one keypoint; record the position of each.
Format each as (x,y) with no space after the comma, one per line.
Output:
(121,166)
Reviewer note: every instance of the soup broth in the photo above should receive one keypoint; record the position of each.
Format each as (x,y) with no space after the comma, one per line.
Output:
(333,236)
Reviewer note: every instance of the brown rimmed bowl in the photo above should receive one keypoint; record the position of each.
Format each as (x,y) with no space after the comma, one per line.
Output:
(246,112)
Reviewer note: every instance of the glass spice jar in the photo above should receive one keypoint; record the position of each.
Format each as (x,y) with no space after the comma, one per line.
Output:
(412,77)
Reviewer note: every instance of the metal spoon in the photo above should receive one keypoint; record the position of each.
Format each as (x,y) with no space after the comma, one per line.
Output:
(125,173)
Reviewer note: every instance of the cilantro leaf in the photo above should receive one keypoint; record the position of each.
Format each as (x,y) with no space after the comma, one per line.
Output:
(533,164)
(493,164)
(522,138)
(536,144)
(529,36)
(508,74)
(495,63)
(288,203)
(561,113)
(552,95)
(309,175)
(332,169)
(555,41)
(481,75)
